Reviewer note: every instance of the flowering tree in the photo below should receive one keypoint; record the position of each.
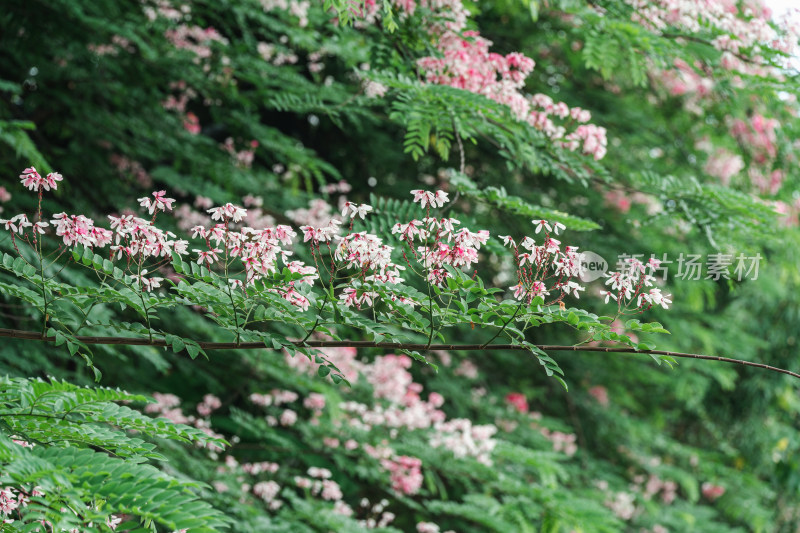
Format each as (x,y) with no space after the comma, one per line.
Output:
(377,227)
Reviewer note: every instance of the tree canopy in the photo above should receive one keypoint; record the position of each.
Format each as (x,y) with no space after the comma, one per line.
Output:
(435,265)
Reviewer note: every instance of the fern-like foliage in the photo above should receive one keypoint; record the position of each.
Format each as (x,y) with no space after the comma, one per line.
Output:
(436,115)
(69,453)
(498,197)
(721,212)
(57,412)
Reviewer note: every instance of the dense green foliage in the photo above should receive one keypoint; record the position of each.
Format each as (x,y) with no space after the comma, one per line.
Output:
(271,104)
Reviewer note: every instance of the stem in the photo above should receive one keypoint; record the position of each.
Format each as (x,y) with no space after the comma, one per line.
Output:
(228,284)
(504,326)
(430,315)
(44,290)
(141,297)
(331,281)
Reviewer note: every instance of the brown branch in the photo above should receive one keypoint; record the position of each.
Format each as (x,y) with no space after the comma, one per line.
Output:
(144,341)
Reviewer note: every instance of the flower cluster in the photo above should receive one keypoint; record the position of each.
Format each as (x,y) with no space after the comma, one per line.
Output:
(159,202)
(444,245)
(630,286)
(758,134)
(195,39)
(247,255)
(738,26)
(405,473)
(517,401)
(545,270)
(320,485)
(464,439)
(34,181)
(712,491)
(465,62)
(169,406)
(654,485)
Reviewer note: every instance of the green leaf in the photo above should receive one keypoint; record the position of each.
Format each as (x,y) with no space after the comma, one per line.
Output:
(178,345)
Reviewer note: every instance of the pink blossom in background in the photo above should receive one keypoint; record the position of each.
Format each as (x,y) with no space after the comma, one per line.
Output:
(467,369)
(266,490)
(600,394)
(466,62)
(618,200)
(405,473)
(330,490)
(623,504)
(618,326)
(191,123)
(257,468)
(427,527)
(195,39)
(517,401)
(724,165)
(288,417)
(209,404)
(562,442)
(711,491)
(464,439)
(163,401)
(759,135)
(314,401)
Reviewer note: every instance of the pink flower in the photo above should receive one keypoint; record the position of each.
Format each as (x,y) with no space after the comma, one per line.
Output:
(600,394)
(436,399)
(31,179)
(405,473)
(349,297)
(8,501)
(539,224)
(314,401)
(319,473)
(78,229)
(191,123)
(355,210)
(288,417)
(228,212)
(160,203)
(209,257)
(209,404)
(427,198)
(518,401)
(711,491)
(331,490)
(266,490)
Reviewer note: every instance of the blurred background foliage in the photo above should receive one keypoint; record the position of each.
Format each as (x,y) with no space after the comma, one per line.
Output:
(226,99)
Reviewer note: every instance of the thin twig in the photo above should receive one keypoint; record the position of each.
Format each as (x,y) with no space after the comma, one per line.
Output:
(144,341)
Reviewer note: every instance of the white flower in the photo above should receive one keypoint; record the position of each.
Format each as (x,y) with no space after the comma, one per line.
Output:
(356,210)
(541,224)
(608,294)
